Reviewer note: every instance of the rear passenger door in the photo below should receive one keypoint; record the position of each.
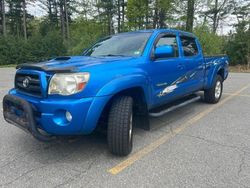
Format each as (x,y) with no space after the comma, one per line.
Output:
(192,58)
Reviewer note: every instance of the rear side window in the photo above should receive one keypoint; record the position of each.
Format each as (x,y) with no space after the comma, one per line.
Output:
(169,40)
(189,46)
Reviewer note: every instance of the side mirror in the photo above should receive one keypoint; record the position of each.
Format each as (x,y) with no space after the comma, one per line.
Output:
(164,52)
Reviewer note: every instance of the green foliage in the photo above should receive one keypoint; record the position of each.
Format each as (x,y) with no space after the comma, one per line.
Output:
(211,43)
(238,46)
(83,34)
(44,47)
(12,51)
(69,27)
(137,12)
(37,48)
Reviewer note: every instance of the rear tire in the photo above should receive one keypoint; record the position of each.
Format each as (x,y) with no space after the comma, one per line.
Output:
(213,94)
(120,126)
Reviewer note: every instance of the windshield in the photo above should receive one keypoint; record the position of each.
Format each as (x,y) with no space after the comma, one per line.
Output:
(131,44)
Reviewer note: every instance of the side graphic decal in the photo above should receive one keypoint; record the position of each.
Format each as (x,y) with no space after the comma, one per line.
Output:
(167,90)
(188,76)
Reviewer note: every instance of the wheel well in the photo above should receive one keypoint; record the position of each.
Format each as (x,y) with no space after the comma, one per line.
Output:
(139,100)
(221,73)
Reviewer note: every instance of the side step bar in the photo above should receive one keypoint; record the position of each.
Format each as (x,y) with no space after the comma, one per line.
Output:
(193,98)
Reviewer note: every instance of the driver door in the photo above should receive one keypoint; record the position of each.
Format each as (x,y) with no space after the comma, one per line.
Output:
(166,72)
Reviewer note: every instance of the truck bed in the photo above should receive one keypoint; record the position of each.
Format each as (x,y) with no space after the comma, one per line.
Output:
(217,58)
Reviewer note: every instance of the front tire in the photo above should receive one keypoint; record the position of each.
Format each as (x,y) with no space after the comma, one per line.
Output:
(120,126)
(213,94)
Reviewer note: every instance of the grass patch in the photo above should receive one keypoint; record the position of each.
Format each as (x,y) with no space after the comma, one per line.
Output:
(239,68)
(5,66)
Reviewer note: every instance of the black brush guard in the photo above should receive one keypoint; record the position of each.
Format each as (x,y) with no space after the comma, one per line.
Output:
(25,120)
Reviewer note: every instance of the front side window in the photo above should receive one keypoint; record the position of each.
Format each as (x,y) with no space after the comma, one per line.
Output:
(168,40)
(189,46)
(130,44)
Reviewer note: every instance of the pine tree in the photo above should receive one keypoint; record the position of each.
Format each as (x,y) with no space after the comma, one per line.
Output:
(106,12)
(138,14)
(160,13)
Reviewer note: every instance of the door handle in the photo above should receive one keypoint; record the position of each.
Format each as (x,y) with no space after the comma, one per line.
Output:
(181,66)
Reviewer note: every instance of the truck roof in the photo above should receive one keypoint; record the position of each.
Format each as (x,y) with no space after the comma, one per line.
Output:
(175,31)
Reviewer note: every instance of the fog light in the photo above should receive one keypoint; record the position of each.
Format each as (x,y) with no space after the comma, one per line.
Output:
(68,116)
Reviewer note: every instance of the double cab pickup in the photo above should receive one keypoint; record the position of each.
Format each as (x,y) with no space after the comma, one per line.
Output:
(116,84)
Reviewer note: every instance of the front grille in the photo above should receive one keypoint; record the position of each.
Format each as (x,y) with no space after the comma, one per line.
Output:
(32,86)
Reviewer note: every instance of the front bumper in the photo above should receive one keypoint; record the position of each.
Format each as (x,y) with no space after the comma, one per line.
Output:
(20,113)
(49,114)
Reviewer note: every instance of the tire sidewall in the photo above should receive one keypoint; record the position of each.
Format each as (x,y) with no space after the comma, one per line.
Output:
(120,139)
(218,78)
(130,139)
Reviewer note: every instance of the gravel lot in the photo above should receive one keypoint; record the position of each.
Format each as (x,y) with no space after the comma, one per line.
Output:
(200,145)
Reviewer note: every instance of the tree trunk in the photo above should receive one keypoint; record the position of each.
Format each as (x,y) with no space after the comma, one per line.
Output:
(119,15)
(1,23)
(155,16)
(3,18)
(190,16)
(56,12)
(147,15)
(12,26)
(123,14)
(67,18)
(62,20)
(162,15)
(24,20)
(98,11)
(109,17)
(215,16)
(204,20)
(50,11)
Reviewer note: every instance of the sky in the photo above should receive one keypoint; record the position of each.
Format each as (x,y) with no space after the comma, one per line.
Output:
(36,10)
(224,27)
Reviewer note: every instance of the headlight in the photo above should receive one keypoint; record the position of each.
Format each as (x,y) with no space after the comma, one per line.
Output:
(68,84)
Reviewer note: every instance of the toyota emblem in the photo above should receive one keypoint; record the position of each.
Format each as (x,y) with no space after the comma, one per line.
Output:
(26,81)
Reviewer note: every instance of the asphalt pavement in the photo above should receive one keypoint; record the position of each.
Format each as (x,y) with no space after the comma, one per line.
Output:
(200,145)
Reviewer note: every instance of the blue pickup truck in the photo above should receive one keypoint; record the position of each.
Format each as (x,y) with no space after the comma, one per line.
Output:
(116,84)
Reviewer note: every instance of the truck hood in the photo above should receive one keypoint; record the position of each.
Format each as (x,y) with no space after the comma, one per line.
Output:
(71,63)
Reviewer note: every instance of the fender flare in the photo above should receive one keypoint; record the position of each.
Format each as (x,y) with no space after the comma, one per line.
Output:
(107,92)
(212,75)
(126,82)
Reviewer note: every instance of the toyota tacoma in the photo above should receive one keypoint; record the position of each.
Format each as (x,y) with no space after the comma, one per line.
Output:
(116,84)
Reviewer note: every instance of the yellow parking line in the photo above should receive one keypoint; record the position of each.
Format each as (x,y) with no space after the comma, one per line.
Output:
(155,144)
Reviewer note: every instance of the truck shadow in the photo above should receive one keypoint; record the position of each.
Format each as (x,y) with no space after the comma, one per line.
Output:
(85,149)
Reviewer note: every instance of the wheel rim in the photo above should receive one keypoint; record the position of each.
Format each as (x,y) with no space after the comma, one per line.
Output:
(217,89)
(130,128)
